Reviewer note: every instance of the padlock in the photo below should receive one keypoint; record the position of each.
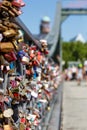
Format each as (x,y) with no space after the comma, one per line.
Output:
(11,13)
(8,113)
(6,3)
(9,24)
(10,57)
(10,33)
(21,126)
(6,47)
(7,6)
(28,128)
(33,48)
(5,14)
(3,62)
(3,28)
(22,120)
(1,100)
(44,46)
(6,69)
(18,3)
(14,42)
(20,37)
(7,127)
(28,72)
(16,11)
(21,53)
(20,40)
(36,122)
(13,83)
(25,60)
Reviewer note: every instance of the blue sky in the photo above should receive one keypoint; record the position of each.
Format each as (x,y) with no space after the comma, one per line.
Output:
(36,9)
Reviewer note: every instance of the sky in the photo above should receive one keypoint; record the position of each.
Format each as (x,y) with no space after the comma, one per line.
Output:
(36,9)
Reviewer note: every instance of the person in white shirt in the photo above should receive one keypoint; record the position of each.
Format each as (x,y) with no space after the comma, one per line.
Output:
(69,74)
(79,74)
(74,72)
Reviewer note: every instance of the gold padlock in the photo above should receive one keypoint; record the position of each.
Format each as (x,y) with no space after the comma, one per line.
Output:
(22,126)
(10,33)
(11,13)
(4,8)
(15,45)
(7,127)
(11,25)
(14,10)
(20,40)
(6,47)
(6,3)
(2,27)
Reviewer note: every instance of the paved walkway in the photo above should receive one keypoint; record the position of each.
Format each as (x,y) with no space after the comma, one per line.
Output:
(74,106)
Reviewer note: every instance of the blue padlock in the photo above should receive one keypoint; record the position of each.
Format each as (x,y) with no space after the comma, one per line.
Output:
(21,53)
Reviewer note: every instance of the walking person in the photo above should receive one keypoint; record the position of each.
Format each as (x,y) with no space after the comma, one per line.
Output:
(69,74)
(85,70)
(74,72)
(79,74)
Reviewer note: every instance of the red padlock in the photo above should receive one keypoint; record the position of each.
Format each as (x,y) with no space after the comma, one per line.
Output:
(16,95)
(28,128)
(10,57)
(18,3)
(22,120)
(2,106)
(33,48)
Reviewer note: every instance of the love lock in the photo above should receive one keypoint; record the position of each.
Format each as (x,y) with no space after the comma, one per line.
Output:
(18,3)
(3,28)
(5,69)
(44,46)
(10,24)
(10,57)
(10,33)
(7,127)
(25,60)
(6,47)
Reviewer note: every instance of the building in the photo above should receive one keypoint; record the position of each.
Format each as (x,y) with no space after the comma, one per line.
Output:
(79,38)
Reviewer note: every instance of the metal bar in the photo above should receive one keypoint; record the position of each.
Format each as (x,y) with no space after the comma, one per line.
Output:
(5,82)
(53,36)
(54,121)
(68,11)
(60,52)
(64,17)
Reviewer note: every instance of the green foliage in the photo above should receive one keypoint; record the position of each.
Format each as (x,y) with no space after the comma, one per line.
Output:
(74,51)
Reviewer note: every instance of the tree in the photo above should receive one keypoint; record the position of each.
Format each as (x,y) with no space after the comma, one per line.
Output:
(74,51)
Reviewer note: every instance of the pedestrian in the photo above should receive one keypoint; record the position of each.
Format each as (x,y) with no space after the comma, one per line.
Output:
(85,70)
(79,74)
(74,72)
(69,74)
